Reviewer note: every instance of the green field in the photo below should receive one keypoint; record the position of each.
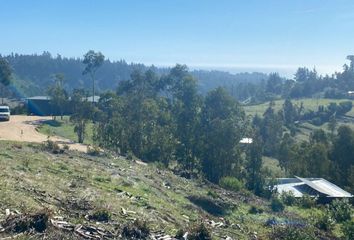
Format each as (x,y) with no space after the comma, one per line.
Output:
(309,104)
(64,128)
(305,128)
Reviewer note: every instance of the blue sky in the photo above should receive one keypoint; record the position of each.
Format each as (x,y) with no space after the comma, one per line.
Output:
(253,35)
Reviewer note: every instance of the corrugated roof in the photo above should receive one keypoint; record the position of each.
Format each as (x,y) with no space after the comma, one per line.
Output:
(38,98)
(312,186)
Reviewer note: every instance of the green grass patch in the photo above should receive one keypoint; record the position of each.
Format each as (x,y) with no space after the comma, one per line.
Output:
(272,165)
(64,128)
(309,104)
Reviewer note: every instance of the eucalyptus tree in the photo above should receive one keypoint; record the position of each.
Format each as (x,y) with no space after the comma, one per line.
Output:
(93,60)
(223,124)
(58,95)
(5,76)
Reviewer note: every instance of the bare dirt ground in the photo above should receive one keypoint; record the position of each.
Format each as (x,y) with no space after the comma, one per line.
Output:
(23,128)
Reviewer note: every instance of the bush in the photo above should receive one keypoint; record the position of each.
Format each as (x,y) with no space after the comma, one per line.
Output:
(324,221)
(93,151)
(66,147)
(136,230)
(213,194)
(52,146)
(210,205)
(348,230)
(101,215)
(255,210)
(231,183)
(307,201)
(179,235)
(277,205)
(288,198)
(199,232)
(27,222)
(130,155)
(340,210)
(292,233)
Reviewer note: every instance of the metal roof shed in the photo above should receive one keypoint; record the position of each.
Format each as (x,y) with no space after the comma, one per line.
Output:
(316,187)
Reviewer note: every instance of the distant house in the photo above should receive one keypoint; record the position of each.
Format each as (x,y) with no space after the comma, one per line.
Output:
(94,99)
(316,187)
(41,105)
(246,140)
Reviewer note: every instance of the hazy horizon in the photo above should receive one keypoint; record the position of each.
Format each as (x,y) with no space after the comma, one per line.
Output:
(284,70)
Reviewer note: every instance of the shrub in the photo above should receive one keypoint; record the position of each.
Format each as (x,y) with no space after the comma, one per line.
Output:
(348,230)
(208,204)
(101,215)
(199,232)
(136,230)
(52,146)
(255,210)
(93,151)
(288,198)
(231,183)
(103,179)
(277,205)
(27,222)
(324,221)
(66,147)
(130,155)
(213,194)
(340,210)
(307,201)
(292,233)
(179,234)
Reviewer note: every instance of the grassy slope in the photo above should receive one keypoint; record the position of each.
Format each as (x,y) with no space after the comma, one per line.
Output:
(32,179)
(64,128)
(309,103)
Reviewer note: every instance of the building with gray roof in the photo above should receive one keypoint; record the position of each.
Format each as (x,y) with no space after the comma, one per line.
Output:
(316,187)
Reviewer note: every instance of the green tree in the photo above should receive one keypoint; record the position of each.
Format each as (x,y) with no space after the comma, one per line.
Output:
(290,113)
(93,60)
(319,136)
(137,119)
(342,155)
(58,95)
(254,176)
(285,152)
(83,111)
(271,130)
(222,127)
(186,105)
(332,124)
(5,76)
(274,83)
(318,161)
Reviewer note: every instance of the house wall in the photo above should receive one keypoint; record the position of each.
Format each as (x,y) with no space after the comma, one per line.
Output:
(39,107)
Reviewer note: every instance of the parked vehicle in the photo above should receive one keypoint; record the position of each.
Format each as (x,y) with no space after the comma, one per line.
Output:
(4,113)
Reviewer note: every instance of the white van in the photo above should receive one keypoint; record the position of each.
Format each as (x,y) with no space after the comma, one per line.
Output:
(4,113)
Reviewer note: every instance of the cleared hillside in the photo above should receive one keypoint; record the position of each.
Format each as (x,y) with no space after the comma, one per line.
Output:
(74,187)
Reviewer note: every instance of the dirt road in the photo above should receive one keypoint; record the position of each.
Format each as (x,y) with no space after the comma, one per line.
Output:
(23,128)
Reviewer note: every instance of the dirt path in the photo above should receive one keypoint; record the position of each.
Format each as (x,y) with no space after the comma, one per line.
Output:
(23,128)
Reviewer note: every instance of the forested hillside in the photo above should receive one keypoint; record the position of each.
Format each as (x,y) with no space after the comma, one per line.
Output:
(33,74)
